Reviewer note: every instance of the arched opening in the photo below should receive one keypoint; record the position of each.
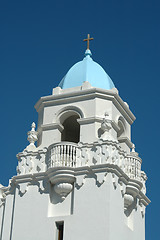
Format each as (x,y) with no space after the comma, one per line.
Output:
(122,128)
(71,129)
(120,133)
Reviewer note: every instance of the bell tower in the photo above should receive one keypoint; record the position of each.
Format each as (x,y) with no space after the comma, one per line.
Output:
(83,178)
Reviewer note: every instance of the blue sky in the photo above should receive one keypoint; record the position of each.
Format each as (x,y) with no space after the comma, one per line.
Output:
(41,40)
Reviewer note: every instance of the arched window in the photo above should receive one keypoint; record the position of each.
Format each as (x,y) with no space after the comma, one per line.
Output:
(71,129)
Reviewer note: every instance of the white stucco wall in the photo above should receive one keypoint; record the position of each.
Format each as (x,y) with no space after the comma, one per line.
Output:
(91,211)
(104,174)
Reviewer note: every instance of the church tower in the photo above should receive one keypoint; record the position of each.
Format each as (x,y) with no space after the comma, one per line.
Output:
(83,178)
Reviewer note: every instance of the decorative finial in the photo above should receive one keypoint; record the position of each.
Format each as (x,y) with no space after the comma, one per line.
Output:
(105,125)
(88,39)
(133,148)
(133,152)
(32,137)
(33,126)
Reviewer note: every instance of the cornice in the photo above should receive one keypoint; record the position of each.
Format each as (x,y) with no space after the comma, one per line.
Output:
(86,95)
(134,186)
(125,140)
(82,121)
(144,199)
(51,126)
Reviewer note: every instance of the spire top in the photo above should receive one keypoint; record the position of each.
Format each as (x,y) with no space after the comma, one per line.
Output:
(87,40)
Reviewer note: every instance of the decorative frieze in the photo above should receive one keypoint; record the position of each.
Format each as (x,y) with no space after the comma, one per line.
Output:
(31,161)
(66,163)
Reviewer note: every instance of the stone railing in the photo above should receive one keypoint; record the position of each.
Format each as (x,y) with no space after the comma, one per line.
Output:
(63,154)
(133,166)
(72,155)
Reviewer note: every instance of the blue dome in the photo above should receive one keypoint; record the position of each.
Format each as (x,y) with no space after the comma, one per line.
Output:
(87,70)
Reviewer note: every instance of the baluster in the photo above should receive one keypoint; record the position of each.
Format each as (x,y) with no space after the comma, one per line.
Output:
(78,157)
(134,173)
(61,155)
(67,154)
(52,157)
(55,151)
(58,155)
(129,167)
(136,168)
(139,171)
(74,155)
(132,168)
(64,155)
(55,157)
(126,166)
(70,156)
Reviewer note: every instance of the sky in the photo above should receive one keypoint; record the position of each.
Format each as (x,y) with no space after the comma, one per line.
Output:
(41,40)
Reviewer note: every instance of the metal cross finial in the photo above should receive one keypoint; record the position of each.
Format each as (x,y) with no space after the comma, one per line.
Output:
(88,39)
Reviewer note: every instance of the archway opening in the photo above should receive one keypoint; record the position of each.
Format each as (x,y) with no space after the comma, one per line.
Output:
(122,128)
(71,131)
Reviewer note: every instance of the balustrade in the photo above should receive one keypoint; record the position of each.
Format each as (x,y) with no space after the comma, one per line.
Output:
(133,167)
(63,154)
(67,154)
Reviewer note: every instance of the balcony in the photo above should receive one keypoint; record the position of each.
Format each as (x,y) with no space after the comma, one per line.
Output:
(68,154)
(133,166)
(63,154)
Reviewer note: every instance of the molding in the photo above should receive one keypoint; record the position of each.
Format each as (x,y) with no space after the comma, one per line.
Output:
(126,141)
(50,126)
(32,153)
(65,109)
(27,180)
(102,142)
(115,126)
(60,174)
(82,121)
(86,95)
(144,199)
(57,174)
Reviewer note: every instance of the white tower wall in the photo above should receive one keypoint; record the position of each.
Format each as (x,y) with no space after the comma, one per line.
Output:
(93,187)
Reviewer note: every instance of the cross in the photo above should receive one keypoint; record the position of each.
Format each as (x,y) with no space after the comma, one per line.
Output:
(88,39)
